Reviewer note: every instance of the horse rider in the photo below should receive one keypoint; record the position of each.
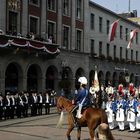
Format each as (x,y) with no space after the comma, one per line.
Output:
(82,98)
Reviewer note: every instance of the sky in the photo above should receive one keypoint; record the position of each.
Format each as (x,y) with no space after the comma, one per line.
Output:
(120,6)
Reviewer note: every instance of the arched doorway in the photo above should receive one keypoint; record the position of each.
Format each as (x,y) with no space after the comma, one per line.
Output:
(132,78)
(13,77)
(122,78)
(51,76)
(34,75)
(101,78)
(79,73)
(107,78)
(91,77)
(114,80)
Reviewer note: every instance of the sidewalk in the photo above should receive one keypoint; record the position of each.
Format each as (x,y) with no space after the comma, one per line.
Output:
(4,123)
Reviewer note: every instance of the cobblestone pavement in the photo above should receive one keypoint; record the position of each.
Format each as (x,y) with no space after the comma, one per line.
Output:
(44,128)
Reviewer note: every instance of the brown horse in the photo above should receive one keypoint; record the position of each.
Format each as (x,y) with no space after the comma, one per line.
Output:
(91,118)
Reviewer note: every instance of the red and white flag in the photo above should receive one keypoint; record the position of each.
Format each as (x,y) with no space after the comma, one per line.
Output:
(132,36)
(96,82)
(112,30)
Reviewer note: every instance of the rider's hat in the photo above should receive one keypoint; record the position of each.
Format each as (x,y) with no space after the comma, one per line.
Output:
(83,80)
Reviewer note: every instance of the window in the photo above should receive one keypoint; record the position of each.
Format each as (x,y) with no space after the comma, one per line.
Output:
(114,51)
(66,7)
(12,21)
(126,34)
(52,5)
(36,2)
(121,32)
(78,41)
(136,55)
(92,46)
(78,9)
(126,54)
(107,26)
(100,24)
(131,55)
(51,29)
(100,48)
(107,50)
(137,41)
(92,20)
(33,25)
(65,37)
(120,53)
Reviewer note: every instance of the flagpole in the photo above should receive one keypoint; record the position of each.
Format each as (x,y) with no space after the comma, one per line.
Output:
(129,7)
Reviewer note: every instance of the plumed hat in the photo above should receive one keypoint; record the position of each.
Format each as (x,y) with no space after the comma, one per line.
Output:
(131,87)
(120,88)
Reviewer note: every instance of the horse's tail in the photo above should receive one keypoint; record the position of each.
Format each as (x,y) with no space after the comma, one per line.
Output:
(104,119)
(60,122)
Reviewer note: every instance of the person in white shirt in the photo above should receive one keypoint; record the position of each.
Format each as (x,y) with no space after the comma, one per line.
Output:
(47,103)
(40,103)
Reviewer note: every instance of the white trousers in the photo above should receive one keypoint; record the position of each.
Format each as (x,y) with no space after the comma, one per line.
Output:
(111,125)
(132,126)
(121,125)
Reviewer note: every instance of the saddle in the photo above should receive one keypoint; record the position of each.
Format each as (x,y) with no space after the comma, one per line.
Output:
(74,113)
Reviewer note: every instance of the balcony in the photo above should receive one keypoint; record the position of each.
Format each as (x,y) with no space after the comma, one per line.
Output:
(9,43)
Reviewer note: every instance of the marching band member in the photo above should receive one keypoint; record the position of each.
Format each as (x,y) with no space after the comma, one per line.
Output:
(131,111)
(109,89)
(120,111)
(110,108)
(138,115)
(131,88)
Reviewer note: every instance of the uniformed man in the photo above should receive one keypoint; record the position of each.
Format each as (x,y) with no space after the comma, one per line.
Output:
(1,106)
(131,111)
(13,105)
(7,106)
(40,103)
(83,96)
(33,103)
(25,99)
(110,109)
(120,110)
(47,102)
(20,106)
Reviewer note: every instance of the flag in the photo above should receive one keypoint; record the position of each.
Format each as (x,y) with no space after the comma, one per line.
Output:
(96,81)
(112,30)
(132,35)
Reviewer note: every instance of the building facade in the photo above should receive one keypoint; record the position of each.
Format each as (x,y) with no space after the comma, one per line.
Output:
(80,28)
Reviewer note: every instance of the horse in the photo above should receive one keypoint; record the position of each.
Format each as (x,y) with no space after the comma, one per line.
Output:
(91,118)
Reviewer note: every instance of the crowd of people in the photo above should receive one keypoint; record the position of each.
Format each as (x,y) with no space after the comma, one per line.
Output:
(24,104)
(122,106)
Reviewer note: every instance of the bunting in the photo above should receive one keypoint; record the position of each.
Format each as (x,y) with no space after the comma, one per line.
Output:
(112,30)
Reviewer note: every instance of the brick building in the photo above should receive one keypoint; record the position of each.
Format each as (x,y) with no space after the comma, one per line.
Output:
(79,29)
